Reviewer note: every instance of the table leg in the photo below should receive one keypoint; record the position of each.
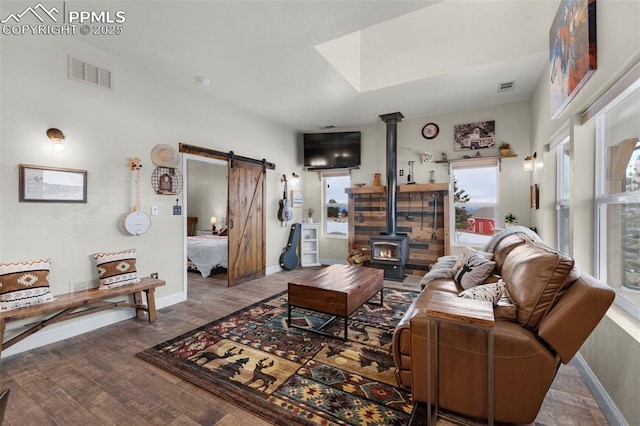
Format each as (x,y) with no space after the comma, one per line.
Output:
(346,328)
(137,299)
(429,373)
(490,379)
(2,326)
(436,392)
(151,304)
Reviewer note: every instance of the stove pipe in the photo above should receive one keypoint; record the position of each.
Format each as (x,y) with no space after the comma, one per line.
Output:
(392,120)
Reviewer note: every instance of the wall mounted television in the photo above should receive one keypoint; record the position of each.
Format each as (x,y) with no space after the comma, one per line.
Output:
(331,150)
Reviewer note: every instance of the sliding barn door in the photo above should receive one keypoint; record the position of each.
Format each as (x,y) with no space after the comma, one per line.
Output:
(246,222)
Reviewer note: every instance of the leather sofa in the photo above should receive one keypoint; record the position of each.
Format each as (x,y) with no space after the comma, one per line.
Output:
(554,309)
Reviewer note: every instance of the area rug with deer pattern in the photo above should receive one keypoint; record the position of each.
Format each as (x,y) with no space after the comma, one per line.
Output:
(293,376)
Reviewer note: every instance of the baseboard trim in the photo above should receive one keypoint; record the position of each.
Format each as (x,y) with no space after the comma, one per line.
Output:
(273,269)
(64,330)
(604,401)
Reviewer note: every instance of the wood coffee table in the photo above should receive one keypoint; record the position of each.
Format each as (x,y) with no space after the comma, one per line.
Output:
(336,290)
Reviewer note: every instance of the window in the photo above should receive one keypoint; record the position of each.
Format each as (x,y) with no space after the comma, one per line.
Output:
(475,201)
(562,194)
(618,198)
(336,206)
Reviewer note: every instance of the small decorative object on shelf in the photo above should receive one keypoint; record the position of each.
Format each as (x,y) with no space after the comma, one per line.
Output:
(505,149)
(510,219)
(376,179)
(310,215)
(432,176)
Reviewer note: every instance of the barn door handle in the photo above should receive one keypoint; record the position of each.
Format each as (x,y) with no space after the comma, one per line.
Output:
(230,223)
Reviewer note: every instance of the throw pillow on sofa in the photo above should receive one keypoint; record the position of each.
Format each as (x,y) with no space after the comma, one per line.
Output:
(489,292)
(465,255)
(505,309)
(474,271)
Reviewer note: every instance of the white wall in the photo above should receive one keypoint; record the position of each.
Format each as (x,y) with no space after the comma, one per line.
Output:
(207,192)
(104,128)
(512,125)
(612,352)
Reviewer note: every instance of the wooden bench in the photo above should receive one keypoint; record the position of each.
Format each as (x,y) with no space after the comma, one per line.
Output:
(80,303)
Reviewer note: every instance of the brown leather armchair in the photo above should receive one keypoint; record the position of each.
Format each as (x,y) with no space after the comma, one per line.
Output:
(556,308)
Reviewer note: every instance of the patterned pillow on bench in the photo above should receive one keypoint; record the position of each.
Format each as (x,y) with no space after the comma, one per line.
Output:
(24,284)
(117,269)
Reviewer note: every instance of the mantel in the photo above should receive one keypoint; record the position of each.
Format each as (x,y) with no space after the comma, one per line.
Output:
(418,187)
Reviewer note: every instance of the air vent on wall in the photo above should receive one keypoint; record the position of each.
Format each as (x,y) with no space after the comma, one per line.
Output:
(505,86)
(87,73)
(330,126)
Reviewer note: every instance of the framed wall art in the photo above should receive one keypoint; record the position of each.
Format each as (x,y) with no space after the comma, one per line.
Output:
(296,198)
(534,196)
(572,51)
(474,135)
(40,184)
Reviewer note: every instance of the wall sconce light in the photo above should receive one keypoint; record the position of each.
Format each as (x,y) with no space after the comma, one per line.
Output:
(528,162)
(213,223)
(57,138)
(295,177)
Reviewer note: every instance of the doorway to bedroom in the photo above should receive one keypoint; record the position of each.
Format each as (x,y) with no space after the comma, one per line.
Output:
(206,214)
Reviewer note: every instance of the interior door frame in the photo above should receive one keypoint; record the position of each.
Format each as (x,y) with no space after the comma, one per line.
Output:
(185,200)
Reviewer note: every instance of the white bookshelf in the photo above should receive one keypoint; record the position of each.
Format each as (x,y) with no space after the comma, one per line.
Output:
(309,245)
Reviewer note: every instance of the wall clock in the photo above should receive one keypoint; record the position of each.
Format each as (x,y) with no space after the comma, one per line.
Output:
(430,131)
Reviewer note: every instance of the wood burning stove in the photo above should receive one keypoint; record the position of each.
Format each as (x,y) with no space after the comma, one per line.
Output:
(390,252)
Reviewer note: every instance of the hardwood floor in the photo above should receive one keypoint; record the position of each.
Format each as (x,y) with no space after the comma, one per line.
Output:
(95,378)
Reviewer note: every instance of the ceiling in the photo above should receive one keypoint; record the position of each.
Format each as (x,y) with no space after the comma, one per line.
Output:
(422,58)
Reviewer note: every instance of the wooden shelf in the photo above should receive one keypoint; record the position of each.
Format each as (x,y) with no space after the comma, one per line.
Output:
(366,190)
(417,187)
(497,157)
(423,187)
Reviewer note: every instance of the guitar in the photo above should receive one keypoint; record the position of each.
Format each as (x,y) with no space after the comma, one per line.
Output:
(285,212)
(289,256)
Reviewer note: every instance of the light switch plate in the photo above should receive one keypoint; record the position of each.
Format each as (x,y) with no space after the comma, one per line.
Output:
(177,210)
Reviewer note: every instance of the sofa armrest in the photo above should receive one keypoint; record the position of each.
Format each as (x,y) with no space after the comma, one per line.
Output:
(575,316)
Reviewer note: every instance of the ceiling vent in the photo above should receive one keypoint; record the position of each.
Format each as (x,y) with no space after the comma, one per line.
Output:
(330,126)
(90,74)
(506,86)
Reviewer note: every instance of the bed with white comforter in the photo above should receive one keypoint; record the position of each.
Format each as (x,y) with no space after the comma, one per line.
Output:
(205,252)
